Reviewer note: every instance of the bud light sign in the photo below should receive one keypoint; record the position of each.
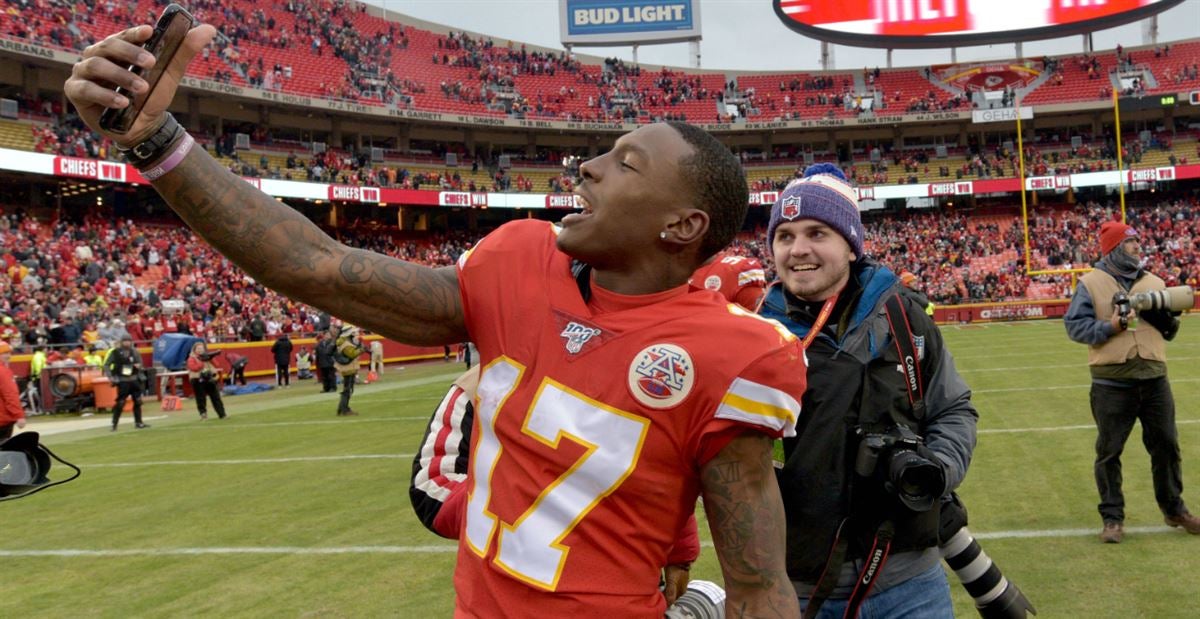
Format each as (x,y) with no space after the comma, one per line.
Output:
(621,22)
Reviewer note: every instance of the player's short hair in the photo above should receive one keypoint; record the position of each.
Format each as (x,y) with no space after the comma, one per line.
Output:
(718,185)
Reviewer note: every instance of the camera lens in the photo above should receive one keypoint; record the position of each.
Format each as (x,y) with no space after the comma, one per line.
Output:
(918,481)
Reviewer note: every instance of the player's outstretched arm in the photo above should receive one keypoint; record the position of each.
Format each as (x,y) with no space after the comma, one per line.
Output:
(276,245)
(745,514)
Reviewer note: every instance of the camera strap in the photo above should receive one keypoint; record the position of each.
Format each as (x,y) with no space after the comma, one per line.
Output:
(910,359)
(881,546)
(876,557)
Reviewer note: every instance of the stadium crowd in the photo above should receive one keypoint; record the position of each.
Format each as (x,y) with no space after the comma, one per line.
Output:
(68,283)
(72,284)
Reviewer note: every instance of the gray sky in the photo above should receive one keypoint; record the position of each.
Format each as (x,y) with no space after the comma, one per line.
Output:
(746,35)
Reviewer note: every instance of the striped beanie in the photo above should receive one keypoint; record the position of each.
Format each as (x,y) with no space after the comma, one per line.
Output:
(822,194)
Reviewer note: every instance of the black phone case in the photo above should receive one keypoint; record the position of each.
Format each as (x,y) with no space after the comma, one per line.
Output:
(172,27)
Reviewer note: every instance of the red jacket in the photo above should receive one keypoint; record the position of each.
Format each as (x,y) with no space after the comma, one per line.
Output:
(10,399)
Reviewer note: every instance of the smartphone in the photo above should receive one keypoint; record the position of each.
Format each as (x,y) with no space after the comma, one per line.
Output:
(173,25)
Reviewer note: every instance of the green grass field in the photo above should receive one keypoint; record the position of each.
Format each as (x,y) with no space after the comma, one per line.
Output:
(284,510)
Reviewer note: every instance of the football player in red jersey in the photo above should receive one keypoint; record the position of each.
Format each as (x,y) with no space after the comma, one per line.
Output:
(437,485)
(610,398)
(740,279)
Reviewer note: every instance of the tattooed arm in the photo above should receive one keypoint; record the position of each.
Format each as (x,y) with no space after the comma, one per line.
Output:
(273,243)
(745,515)
(286,252)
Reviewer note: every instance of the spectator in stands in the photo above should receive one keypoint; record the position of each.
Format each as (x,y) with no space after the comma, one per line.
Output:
(281,349)
(1127,356)
(12,412)
(124,368)
(205,377)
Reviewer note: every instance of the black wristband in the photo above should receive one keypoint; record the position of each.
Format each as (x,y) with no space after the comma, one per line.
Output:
(154,147)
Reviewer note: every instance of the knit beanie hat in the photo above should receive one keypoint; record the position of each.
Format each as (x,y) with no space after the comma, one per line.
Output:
(1112,234)
(822,194)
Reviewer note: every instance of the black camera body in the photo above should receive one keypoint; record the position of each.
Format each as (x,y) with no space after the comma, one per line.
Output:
(1123,307)
(895,458)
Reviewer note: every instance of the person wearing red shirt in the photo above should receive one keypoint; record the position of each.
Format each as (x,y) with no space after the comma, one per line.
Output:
(437,485)
(11,412)
(739,279)
(610,397)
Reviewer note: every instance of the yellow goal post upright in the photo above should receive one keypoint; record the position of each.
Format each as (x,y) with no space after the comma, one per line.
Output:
(1029,270)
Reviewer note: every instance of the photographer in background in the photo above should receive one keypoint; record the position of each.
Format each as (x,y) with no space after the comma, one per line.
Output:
(206,380)
(349,348)
(1127,356)
(124,367)
(873,460)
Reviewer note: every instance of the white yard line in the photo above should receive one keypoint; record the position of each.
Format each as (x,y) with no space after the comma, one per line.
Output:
(1061,428)
(450,548)
(99,465)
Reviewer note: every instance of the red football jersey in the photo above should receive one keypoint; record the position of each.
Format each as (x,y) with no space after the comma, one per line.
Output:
(591,427)
(739,279)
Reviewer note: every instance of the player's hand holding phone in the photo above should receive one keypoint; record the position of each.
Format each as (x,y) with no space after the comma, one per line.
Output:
(121,89)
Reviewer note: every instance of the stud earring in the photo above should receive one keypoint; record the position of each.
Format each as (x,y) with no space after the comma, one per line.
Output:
(662,235)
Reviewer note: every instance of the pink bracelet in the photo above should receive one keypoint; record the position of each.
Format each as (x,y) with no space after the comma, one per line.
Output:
(172,160)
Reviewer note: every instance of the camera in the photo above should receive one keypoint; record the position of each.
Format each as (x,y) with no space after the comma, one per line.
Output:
(24,464)
(894,458)
(702,600)
(1173,299)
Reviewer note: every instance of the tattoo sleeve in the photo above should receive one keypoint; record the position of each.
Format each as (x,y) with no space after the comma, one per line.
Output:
(745,514)
(286,252)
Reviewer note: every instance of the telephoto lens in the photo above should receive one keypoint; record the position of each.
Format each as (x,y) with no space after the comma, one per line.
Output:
(1175,299)
(702,600)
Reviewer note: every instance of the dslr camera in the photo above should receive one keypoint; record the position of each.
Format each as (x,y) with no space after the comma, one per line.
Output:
(1173,299)
(895,459)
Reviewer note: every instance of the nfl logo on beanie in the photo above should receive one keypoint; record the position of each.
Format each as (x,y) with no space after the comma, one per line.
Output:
(823,194)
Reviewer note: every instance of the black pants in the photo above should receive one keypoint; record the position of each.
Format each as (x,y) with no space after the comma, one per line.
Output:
(126,390)
(329,379)
(239,376)
(283,375)
(207,389)
(347,391)
(1115,409)
(6,430)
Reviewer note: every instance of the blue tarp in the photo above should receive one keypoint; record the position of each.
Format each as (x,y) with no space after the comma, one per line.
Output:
(247,388)
(171,350)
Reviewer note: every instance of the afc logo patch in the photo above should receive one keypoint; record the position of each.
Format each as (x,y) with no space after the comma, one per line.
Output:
(790,209)
(661,376)
(712,282)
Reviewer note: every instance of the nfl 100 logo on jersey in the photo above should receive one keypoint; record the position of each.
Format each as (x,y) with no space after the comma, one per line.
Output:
(661,376)
(577,335)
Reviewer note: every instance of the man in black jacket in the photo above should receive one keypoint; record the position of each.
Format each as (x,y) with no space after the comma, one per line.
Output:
(325,350)
(282,350)
(124,367)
